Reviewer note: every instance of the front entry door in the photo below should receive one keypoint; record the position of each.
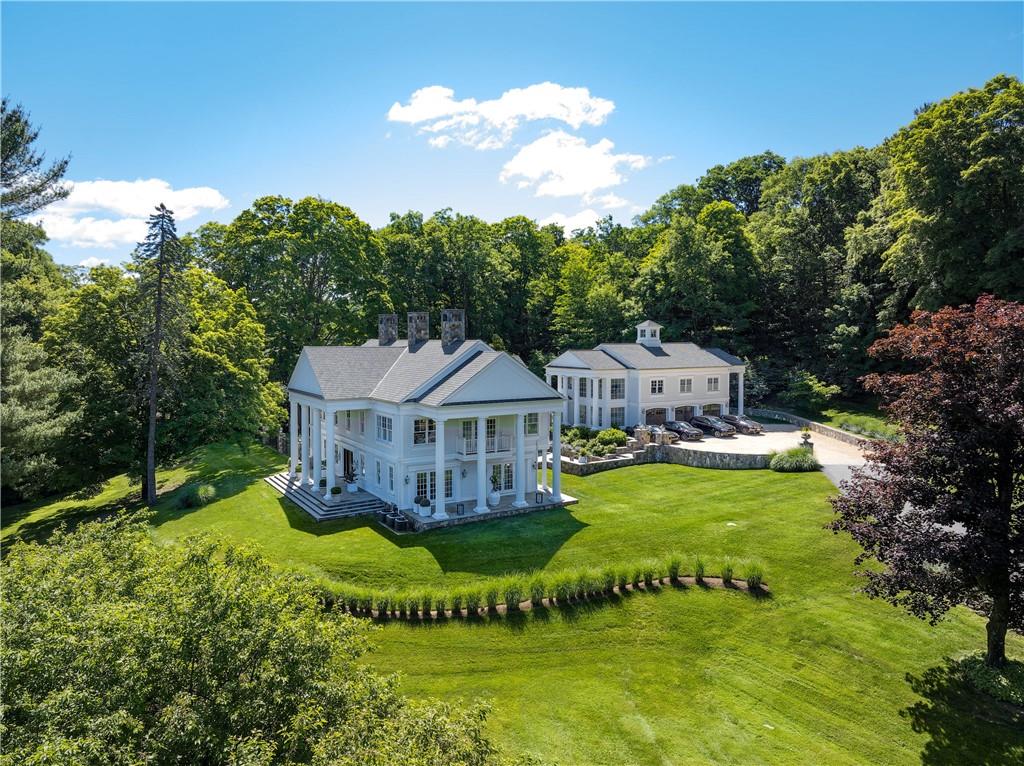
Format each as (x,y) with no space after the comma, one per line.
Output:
(348,461)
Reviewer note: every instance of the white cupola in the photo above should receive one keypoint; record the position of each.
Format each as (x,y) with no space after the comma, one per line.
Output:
(648,333)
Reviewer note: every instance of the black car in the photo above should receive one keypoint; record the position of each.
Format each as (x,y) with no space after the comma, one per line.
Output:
(743,425)
(712,424)
(684,430)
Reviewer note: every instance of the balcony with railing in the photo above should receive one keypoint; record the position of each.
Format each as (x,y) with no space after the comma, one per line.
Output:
(498,444)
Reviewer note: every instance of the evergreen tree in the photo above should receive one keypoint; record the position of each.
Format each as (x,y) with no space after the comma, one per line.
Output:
(27,185)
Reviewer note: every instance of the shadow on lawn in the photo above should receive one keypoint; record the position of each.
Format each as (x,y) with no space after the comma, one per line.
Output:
(491,548)
(965,726)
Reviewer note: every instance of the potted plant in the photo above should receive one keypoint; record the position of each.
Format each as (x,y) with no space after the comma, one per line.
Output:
(350,483)
(424,505)
(495,497)
(335,493)
(805,434)
(584,455)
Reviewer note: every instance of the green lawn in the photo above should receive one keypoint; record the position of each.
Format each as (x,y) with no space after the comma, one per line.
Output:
(815,674)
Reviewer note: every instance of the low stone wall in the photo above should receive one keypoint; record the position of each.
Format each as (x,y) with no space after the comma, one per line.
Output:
(595,466)
(656,453)
(833,433)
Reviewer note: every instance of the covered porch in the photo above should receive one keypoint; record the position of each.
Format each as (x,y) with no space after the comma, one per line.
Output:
(463,513)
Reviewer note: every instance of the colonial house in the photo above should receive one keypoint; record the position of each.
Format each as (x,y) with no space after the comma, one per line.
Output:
(450,420)
(624,384)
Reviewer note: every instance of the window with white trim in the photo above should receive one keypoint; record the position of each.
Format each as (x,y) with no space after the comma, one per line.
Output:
(643,333)
(600,388)
(530,424)
(617,416)
(378,473)
(686,385)
(583,387)
(424,431)
(501,474)
(391,478)
(384,429)
(657,387)
(424,484)
(600,417)
(712,385)
(583,414)
(618,388)
(348,420)
(449,483)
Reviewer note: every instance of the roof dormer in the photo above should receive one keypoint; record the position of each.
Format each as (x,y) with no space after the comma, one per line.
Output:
(648,333)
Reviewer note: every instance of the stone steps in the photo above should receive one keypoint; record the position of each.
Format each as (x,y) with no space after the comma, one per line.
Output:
(366,505)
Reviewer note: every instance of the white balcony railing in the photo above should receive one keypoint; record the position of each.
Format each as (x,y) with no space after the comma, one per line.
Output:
(499,443)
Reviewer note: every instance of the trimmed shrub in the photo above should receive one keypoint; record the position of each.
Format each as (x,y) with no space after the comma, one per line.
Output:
(564,586)
(538,590)
(754,576)
(673,567)
(440,604)
(613,437)
(513,593)
(426,603)
(698,569)
(335,490)
(382,603)
(588,582)
(456,604)
(795,460)
(473,600)
(637,577)
(649,567)
(607,579)
(491,596)
(622,579)
(197,495)
(727,572)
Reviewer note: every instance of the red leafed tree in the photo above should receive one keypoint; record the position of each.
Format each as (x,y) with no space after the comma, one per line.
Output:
(943,509)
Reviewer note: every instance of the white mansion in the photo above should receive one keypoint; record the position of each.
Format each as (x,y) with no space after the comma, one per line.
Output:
(624,384)
(450,420)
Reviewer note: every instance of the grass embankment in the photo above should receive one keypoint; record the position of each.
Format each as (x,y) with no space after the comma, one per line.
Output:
(817,673)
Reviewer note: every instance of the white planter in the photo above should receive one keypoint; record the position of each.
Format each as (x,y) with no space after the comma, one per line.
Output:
(493,499)
(351,488)
(584,459)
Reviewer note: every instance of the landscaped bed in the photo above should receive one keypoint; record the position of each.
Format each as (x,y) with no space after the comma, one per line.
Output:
(817,673)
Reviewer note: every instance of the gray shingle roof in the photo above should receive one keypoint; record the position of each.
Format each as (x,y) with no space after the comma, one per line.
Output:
(350,372)
(666,356)
(418,364)
(594,359)
(725,356)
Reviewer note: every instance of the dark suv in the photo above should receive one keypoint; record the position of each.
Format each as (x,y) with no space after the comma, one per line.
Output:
(684,430)
(742,424)
(712,424)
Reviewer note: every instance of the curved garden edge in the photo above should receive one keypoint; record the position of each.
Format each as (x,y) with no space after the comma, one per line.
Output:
(550,602)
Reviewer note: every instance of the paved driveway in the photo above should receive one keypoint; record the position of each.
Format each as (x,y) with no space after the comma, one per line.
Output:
(836,457)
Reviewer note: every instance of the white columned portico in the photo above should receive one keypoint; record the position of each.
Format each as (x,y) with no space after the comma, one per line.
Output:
(519,475)
(332,479)
(318,436)
(556,457)
(739,401)
(481,464)
(293,440)
(592,391)
(307,443)
(439,512)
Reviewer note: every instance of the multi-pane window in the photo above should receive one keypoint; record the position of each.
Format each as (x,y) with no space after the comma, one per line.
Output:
(492,428)
(583,414)
(378,473)
(468,431)
(643,333)
(424,431)
(384,429)
(686,385)
(391,478)
(618,388)
(501,475)
(600,418)
(530,424)
(583,387)
(449,483)
(712,385)
(600,388)
(348,420)
(424,484)
(617,416)
(657,387)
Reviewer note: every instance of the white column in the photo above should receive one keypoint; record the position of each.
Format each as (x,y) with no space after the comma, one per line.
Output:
(293,440)
(592,390)
(439,469)
(481,465)
(574,408)
(545,445)
(519,477)
(556,457)
(739,402)
(318,440)
(307,443)
(331,471)
(563,387)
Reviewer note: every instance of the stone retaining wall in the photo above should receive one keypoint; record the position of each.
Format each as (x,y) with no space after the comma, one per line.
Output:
(655,453)
(833,433)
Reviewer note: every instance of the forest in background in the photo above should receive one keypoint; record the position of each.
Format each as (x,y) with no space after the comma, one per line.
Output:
(796,264)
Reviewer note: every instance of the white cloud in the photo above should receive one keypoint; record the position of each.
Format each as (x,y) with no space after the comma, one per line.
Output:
(562,165)
(110,213)
(606,201)
(440,142)
(92,262)
(582,220)
(490,124)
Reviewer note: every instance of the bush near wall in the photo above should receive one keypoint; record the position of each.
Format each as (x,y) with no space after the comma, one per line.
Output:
(559,587)
(795,460)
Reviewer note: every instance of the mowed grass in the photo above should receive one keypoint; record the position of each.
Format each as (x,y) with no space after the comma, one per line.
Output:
(817,673)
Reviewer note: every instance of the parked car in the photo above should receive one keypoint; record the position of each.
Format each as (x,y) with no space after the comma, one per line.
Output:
(684,430)
(657,431)
(712,424)
(743,424)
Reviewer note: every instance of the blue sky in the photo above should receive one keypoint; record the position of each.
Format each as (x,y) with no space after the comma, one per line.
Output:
(209,106)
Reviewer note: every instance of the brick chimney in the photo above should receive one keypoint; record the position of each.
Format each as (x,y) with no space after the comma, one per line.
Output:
(453,326)
(387,329)
(418,327)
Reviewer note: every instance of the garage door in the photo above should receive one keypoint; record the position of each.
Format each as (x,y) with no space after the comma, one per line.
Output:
(712,409)
(655,417)
(684,413)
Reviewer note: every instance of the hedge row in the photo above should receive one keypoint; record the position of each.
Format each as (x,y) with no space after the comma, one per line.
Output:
(557,587)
